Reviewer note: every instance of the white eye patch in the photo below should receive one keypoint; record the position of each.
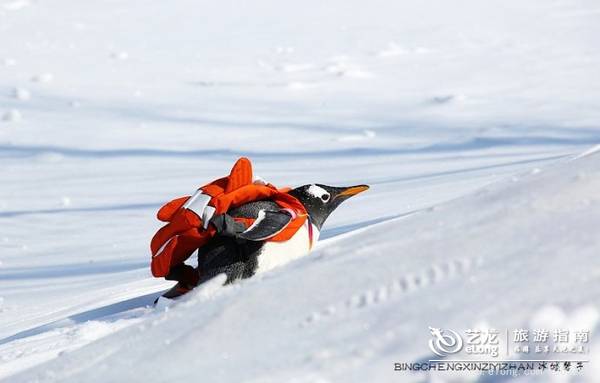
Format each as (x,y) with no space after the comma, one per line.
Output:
(318,192)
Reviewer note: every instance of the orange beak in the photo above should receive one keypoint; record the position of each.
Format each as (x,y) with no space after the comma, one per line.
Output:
(352,190)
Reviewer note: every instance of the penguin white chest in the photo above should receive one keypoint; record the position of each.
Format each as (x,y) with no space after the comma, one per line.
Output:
(275,254)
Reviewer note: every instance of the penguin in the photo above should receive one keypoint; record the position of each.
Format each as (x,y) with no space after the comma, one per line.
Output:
(240,252)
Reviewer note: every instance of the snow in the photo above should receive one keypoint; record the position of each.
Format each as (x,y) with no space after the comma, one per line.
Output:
(12,115)
(343,319)
(43,77)
(474,123)
(22,94)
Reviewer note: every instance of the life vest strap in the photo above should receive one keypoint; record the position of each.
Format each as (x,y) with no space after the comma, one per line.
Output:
(310,233)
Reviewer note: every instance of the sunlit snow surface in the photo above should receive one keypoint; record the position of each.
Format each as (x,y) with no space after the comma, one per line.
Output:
(465,118)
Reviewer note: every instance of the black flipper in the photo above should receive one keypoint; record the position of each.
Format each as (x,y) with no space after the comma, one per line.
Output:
(267,225)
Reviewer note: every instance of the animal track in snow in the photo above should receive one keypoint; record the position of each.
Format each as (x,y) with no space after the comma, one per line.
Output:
(406,284)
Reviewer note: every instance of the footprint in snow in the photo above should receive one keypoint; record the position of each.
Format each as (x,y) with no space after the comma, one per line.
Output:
(406,284)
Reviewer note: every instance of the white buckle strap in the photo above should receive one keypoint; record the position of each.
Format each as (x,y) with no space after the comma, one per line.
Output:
(198,203)
(209,211)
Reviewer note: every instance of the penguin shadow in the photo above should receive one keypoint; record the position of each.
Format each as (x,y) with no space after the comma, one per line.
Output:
(107,314)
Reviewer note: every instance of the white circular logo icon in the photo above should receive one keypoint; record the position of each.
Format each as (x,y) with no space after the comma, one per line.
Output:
(444,342)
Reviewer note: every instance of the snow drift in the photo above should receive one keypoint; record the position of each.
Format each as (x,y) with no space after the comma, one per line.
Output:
(364,299)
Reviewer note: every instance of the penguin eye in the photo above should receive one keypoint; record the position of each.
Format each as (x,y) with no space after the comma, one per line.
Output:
(325,197)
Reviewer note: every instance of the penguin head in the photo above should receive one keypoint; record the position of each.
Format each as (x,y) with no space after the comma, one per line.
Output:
(321,200)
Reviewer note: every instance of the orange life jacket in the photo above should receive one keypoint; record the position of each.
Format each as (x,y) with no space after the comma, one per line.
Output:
(185,230)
